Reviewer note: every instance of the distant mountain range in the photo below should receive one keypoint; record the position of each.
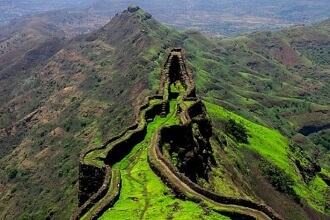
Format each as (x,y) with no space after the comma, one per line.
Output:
(13,9)
(220,17)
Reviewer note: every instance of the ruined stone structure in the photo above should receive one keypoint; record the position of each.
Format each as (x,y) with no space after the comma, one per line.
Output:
(191,141)
(99,184)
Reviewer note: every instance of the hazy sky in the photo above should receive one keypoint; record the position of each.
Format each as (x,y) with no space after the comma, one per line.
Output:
(207,15)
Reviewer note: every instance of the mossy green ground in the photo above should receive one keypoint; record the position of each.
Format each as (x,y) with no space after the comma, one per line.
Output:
(273,146)
(143,195)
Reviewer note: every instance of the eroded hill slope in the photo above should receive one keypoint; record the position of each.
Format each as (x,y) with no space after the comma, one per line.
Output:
(79,96)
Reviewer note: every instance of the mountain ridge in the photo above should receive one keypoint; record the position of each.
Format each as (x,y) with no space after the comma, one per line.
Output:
(89,90)
(56,91)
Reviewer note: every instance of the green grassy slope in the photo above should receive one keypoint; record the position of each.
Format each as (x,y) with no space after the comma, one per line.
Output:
(274,80)
(260,85)
(143,195)
(83,95)
(273,146)
(274,83)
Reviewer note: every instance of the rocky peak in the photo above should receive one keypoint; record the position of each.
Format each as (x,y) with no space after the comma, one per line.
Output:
(133,8)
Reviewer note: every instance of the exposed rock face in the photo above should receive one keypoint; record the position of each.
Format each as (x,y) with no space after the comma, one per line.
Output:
(143,16)
(133,9)
(187,146)
(189,149)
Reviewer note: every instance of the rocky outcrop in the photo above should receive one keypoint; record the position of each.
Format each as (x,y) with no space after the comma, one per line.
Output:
(188,146)
(133,9)
(189,149)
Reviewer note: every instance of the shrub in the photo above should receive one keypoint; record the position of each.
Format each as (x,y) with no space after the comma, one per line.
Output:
(279,179)
(238,131)
(12,173)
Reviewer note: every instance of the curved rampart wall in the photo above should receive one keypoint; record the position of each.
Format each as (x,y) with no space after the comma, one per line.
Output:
(110,192)
(95,197)
(90,180)
(196,113)
(215,197)
(94,181)
(119,151)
